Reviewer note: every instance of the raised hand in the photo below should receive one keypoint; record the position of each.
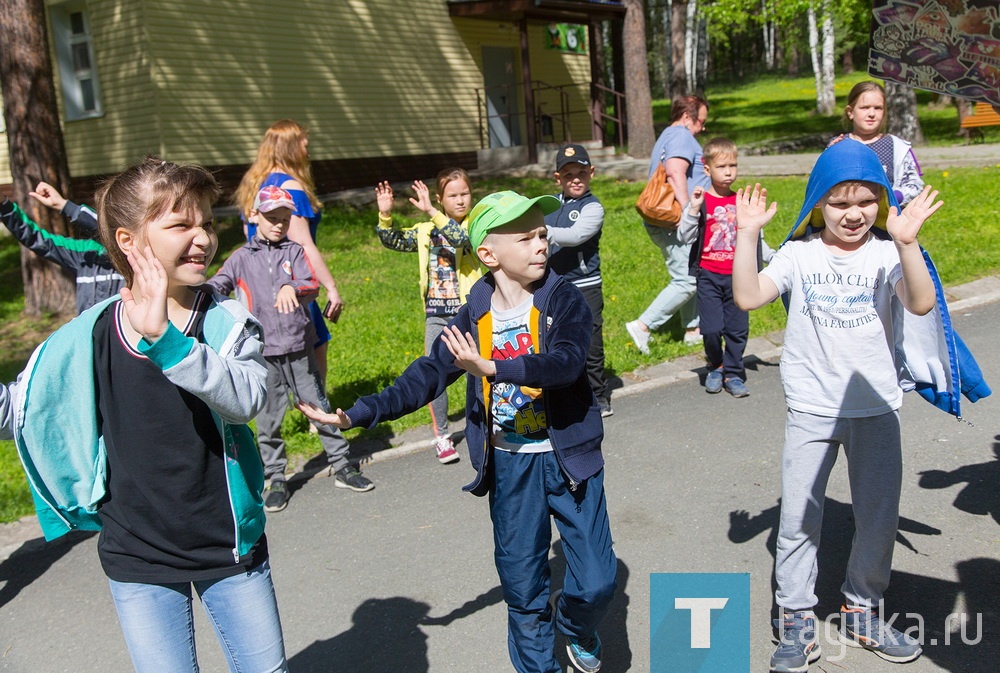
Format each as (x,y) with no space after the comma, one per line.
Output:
(48,195)
(904,226)
(287,301)
(752,211)
(146,303)
(314,413)
(466,352)
(697,198)
(383,198)
(423,200)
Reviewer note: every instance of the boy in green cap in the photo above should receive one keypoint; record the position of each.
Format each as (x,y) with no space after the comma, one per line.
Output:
(533,428)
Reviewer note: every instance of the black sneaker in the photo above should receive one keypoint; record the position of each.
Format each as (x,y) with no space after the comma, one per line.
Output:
(276,497)
(350,477)
(605,406)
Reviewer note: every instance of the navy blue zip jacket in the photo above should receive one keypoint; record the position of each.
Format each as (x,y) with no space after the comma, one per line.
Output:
(561,322)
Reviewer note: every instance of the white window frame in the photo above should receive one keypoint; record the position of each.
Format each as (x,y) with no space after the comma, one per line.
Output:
(72,80)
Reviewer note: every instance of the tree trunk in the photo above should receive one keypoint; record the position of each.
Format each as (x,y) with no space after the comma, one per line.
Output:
(691,45)
(901,107)
(847,62)
(964,109)
(701,58)
(827,97)
(637,94)
(35,142)
(678,33)
(768,27)
(814,55)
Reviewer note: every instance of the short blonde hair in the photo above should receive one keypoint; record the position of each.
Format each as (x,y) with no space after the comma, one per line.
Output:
(717,147)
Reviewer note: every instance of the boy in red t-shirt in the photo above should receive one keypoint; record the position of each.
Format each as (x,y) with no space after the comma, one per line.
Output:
(709,223)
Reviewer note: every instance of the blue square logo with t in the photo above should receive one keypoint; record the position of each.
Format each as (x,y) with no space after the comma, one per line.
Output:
(699,622)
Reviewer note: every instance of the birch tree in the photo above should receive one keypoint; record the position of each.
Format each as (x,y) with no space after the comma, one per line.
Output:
(822,56)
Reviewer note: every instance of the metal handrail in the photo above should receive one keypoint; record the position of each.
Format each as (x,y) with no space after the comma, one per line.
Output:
(601,117)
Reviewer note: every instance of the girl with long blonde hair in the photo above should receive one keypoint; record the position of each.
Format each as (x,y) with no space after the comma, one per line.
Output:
(283,161)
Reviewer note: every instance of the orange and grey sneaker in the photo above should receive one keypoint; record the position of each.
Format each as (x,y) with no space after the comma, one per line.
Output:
(797,643)
(862,627)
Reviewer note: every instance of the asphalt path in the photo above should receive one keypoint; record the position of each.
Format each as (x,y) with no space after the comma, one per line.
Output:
(401,579)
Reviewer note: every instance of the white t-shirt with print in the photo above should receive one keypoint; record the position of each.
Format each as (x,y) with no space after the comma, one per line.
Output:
(837,358)
(518,412)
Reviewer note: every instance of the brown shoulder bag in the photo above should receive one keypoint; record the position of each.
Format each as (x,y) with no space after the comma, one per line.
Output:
(657,204)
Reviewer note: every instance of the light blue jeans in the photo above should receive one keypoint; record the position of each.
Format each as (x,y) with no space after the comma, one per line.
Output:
(158,623)
(678,296)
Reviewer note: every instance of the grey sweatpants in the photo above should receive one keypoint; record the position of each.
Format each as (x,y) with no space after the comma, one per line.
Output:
(874,469)
(295,374)
(439,405)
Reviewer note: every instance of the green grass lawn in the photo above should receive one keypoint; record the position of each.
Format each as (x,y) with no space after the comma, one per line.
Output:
(382,327)
(779,107)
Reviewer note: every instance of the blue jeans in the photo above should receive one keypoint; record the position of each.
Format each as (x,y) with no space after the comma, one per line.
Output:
(678,296)
(158,623)
(529,490)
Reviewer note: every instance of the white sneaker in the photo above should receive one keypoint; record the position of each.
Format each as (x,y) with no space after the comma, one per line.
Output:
(640,337)
(445,449)
(693,337)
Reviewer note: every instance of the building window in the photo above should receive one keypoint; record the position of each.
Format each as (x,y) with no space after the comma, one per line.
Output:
(77,69)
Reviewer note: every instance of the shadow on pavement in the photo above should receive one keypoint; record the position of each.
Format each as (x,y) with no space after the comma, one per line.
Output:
(384,638)
(980,495)
(834,550)
(32,560)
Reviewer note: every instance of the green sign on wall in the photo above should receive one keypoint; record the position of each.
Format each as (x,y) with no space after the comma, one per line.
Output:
(566,37)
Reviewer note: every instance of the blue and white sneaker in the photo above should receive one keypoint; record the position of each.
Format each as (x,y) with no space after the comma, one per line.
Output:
(797,644)
(862,627)
(736,387)
(713,381)
(585,653)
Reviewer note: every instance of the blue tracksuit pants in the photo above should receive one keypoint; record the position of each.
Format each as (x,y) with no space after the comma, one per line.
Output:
(528,489)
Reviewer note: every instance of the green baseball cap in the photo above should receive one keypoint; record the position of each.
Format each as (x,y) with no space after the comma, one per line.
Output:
(500,208)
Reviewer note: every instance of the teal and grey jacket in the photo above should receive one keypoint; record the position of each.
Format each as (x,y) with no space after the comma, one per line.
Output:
(51,413)
(96,278)
(930,356)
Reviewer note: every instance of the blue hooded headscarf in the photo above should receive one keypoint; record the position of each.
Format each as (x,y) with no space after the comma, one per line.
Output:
(930,356)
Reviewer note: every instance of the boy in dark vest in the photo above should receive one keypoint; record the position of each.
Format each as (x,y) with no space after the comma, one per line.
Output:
(574,233)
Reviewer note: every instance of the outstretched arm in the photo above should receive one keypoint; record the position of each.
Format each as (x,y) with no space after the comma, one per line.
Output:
(751,290)
(915,289)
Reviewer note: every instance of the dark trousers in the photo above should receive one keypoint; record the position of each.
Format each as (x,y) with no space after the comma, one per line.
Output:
(530,489)
(722,319)
(595,356)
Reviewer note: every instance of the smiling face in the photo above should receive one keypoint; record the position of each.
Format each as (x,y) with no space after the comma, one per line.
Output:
(518,250)
(456,199)
(273,225)
(183,241)
(849,211)
(574,179)
(866,114)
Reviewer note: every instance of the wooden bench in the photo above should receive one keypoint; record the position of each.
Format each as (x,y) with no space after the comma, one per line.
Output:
(982,115)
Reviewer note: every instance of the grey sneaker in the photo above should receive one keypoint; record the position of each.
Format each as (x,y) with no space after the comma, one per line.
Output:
(350,477)
(862,627)
(797,644)
(276,497)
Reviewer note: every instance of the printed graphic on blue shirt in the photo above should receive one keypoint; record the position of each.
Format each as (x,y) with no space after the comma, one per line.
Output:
(518,411)
(442,279)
